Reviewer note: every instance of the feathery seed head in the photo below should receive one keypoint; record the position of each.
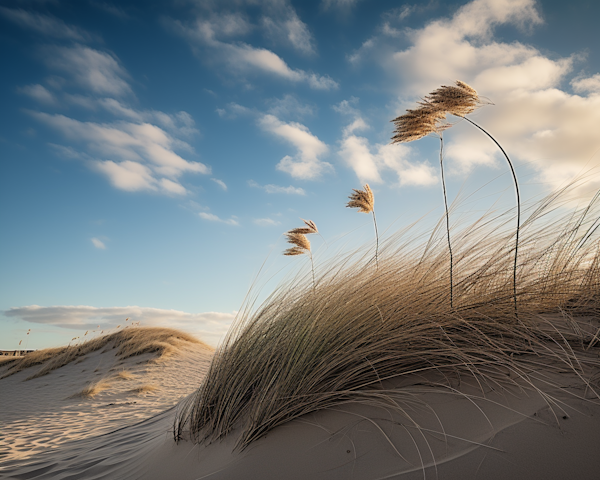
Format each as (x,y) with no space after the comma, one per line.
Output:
(300,242)
(362,199)
(459,100)
(416,124)
(310,224)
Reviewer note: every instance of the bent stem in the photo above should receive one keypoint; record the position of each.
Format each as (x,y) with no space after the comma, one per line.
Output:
(447,218)
(512,170)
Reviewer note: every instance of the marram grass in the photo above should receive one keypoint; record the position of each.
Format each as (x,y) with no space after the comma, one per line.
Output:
(310,349)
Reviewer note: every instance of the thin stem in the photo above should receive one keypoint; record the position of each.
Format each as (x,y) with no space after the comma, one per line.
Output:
(447,219)
(512,169)
(376,241)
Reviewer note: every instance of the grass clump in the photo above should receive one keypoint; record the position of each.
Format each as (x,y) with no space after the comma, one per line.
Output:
(310,349)
(127,342)
(144,389)
(93,389)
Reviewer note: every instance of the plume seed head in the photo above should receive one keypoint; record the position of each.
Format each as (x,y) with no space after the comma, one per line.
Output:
(362,199)
(310,224)
(300,242)
(459,100)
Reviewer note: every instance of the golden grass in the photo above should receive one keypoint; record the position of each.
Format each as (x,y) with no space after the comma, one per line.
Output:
(125,375)
(308,349)
(127,343)
(144,389)
(93,389)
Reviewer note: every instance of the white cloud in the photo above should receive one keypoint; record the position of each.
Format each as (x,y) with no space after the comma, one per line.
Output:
(242,58)
(536,121)
(45,24)
(220,183)
(370,163)
(270,188)
(589,84)
(306,164)
(142,154)
(39,93)
(91,69)
(208,326)
(98,243)
(266,222)
(214,218)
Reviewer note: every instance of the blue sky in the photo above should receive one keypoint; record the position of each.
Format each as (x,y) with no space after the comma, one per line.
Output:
(153,153)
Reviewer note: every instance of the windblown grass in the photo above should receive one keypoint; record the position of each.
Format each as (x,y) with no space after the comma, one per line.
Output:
(305,350)
(127,342)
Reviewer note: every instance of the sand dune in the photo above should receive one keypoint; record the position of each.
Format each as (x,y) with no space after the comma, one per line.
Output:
(98,392)
(448,430)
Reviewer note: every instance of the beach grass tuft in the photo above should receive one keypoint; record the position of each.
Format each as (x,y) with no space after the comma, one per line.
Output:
(307,349)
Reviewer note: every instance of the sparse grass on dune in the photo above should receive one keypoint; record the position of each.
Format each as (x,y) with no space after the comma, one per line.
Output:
(144,389)
(93,389)
(309,349)
(127,342)
(125,375)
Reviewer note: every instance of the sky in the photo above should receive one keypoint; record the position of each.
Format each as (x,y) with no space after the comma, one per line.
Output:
(152,154)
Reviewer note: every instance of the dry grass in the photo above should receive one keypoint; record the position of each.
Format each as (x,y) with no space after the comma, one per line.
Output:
(125,375)
(127,342)
(144,389)
(93,389)
(305,350)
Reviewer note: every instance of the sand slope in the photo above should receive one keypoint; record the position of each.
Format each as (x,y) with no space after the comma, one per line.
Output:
(446,432)
(40,414)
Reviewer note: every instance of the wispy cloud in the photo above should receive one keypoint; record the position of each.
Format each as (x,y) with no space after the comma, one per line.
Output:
(306,163)
(46,25)
(99,244)
(214,218)
(266,222)
(209,326)
(93,70)
(214,36)
(112,9)
(290,107)
(145,153)
(270,188)
(39,93)
(220,183)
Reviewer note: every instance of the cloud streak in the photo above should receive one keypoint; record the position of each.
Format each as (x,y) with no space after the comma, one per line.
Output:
(45,25)
(270,188)
(209,326)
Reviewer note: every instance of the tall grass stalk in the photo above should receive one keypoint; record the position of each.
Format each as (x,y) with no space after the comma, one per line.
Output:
(518,195)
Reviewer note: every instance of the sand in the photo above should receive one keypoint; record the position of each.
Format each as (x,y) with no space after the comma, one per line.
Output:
(456,430)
